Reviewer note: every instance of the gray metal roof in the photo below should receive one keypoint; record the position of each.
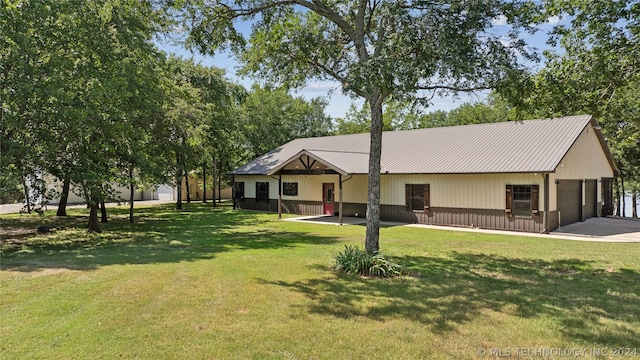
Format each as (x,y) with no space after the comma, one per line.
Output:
(507,147)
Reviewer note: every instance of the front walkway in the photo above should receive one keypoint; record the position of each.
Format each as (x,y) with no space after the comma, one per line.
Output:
(595,229)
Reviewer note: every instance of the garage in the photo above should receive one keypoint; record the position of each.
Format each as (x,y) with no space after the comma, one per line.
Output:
(590,199)
(569,201)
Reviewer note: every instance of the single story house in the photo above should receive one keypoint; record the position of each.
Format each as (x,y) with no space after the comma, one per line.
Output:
(534,175)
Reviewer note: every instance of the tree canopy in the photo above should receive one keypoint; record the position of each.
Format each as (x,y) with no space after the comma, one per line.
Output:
(594,69)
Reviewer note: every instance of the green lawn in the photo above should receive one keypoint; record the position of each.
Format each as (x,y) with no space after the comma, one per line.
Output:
(209,283)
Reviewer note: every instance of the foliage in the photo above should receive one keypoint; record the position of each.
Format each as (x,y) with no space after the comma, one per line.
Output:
(82,90)
(407,50)
(353,260)
(10,185)
(402,115)
(597,72)
(356,121)
(271,117)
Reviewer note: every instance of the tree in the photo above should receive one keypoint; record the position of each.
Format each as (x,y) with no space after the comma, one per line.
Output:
(197,119)
(272,117)
(495,109)
(376,49)
(597,72)
(80,86)
(358,121)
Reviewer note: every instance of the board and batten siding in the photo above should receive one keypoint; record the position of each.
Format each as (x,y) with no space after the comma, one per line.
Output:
(460,191)
(470,191)
(584,160)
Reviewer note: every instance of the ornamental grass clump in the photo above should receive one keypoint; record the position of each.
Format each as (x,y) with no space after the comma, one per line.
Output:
(354,260)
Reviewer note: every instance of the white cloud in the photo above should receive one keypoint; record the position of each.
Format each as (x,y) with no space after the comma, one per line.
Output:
(554,20)
(321,86)
(499,21)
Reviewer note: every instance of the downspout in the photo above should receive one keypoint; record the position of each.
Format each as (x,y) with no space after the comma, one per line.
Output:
(279,194)
(340,181)
(545,215)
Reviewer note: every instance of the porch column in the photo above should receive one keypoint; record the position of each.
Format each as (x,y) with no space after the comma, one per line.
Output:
(545,219)
(279,196)
(340,198)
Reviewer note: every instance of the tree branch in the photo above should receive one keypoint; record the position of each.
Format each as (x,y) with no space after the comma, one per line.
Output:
(320,8)
(359,21)
(341,79)
(235,13)
(454,88)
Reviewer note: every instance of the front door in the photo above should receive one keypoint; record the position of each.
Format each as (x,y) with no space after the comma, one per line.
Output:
(327,198)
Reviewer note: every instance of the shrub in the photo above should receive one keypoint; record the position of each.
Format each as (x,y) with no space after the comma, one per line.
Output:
(354,260)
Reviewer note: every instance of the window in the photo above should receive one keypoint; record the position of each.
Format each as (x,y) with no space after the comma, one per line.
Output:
(417,197)
(522,200)
(329,196)
(290,188)
(239,190)
(262,192)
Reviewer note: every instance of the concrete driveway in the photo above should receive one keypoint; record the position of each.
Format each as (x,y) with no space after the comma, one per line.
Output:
(604,229)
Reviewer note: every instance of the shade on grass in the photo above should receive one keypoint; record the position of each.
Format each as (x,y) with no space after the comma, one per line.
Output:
(216,283)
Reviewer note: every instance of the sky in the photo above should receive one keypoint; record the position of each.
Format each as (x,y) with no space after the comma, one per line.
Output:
(338,103)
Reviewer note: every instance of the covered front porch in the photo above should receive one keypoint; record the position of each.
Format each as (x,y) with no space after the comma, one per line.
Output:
(316,163)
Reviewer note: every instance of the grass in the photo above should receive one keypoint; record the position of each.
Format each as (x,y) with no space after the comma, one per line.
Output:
(208,283)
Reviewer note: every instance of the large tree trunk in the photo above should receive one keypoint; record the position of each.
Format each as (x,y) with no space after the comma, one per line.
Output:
(179,184)
(186,182)
(27,198)
(64,197)
(373,199)
(634,202)
(204,182)
(179,194)
(94,225)
(132,189)
(215,178)
(103,212)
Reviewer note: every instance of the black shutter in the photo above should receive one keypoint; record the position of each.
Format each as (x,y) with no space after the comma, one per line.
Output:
(427,197)
(535,199)
(407,197)
(509,205)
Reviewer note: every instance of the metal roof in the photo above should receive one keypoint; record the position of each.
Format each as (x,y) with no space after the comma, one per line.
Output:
(507,147)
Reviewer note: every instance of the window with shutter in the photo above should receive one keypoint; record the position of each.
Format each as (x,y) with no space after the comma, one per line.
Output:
(417,197)
(522,200)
